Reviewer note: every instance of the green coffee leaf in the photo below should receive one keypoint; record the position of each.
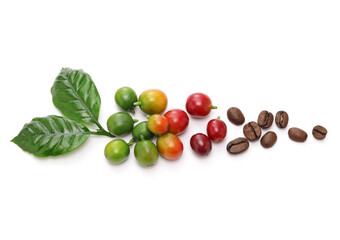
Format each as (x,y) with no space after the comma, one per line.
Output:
(51,136)
(76,96)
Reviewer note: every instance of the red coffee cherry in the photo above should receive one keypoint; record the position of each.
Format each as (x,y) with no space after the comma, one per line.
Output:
(199,105)
(217,130)
(178,121)
(201,144)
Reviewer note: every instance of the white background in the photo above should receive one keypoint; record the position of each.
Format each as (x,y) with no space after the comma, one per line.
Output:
(256,55)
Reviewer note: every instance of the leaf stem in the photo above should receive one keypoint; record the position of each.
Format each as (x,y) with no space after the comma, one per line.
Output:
(101,129)
(95,133)
(102,132)
(131,142)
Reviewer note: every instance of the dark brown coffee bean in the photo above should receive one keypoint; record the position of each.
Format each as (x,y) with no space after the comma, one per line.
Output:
(281,119)
(235,116)
(297,134)
(252,131)
(319,132)
(238,145)
(265,119)
(269,139)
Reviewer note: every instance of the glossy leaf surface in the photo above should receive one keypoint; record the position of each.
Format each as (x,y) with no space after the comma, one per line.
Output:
(76,96)
(51,136)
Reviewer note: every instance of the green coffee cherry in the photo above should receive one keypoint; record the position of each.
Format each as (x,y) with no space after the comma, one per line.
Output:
(120,123)
(117,151)
(125,98)
(141,129)
(146,153)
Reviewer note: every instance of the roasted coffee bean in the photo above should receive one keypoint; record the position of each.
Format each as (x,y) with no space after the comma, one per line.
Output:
(235,116)
(269,139)
(319,132)
(252,131)
(297,134)
(281,119)
(265,119)
(238,145)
